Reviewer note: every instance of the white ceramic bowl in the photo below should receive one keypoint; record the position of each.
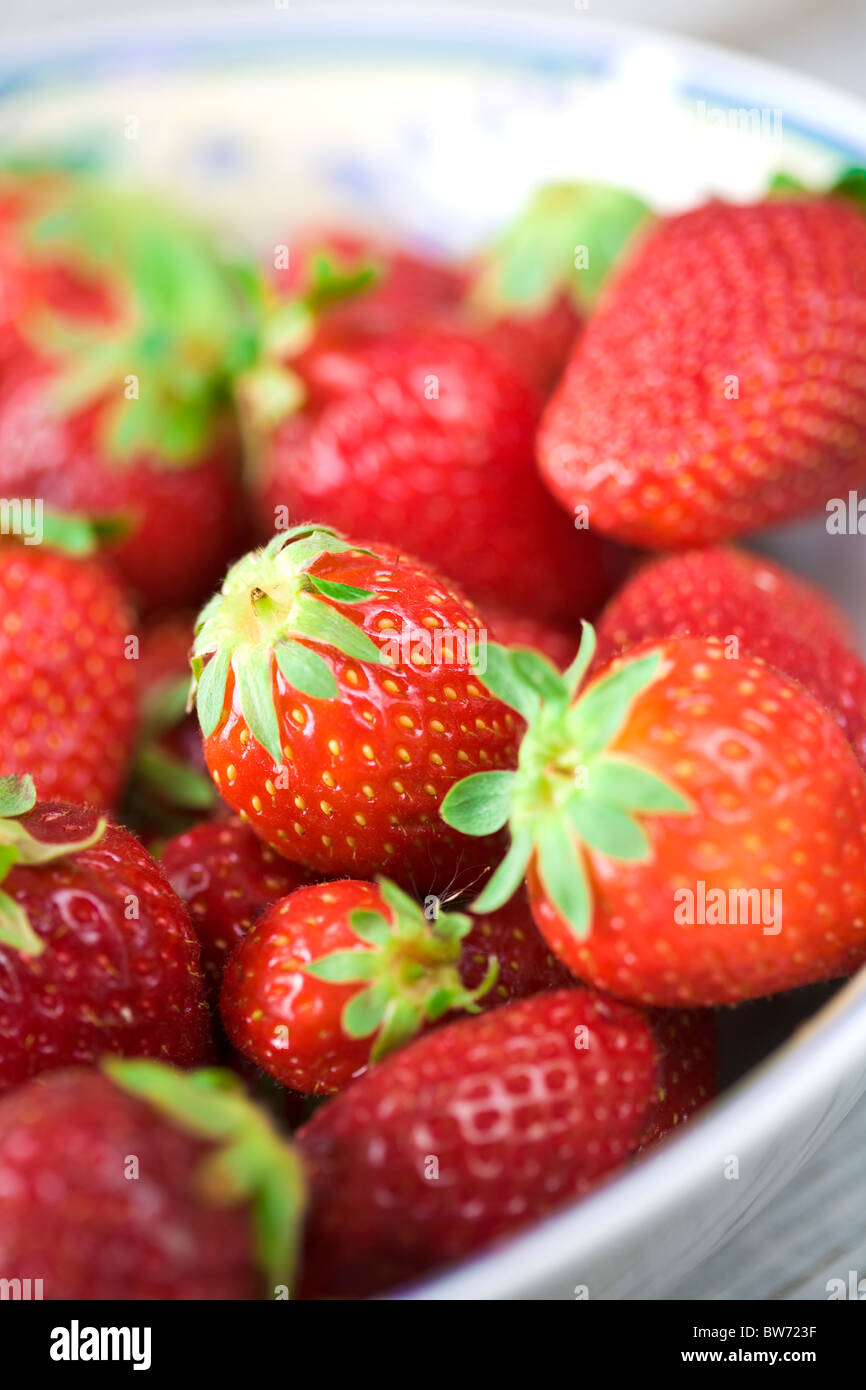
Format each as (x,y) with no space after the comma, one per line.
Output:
(435,122)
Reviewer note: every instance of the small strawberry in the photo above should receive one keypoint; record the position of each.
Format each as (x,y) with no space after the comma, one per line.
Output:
(115,400)
(67,692)
(227,877)
(509,936)
(720,385)
(512,629)
(398,287)
(424,437)
(470,1133)
(141,1182)
(688,1073)
(338,704)
(758,609)
(694,829)
(96,951)
(535,283)
(170,787)
(336,976)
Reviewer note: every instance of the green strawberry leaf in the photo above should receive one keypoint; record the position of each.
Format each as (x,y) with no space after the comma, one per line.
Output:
(366,1010)
(306,670)
(321,623)
(618,782)
(502,679)
(211,693)
(596,719)
(15,928)
(609,830)
(509,874)
(370,927)
(17,795)
(340,593)
(560,866)
(480,804)
(345,967)
(252,668)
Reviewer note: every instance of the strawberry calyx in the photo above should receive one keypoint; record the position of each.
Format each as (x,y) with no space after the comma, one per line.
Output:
(410,971)
(565,242)
(269,390)
(570,790)
(18,846)
(250,1163)
(268,601)
(181,321)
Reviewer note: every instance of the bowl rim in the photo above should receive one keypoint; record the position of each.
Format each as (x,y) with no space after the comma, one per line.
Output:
(794,1081)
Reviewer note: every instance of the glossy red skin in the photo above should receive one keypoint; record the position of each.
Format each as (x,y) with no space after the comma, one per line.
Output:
(520,1120)
(780,803)
(266,989)
(186,522)
(400,833)
(68,703)
(538,343)
(558,643)
(70,1217)
(453,477)
(227,878)
(526,963)
(773,293)
(104,983)
(722,592)
(688,1073)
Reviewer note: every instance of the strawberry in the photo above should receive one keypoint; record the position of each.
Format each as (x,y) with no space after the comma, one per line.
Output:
(338,705)
(511,629)
(426,436)
(470,1133)
(758,609)
(141,1182)
(534,284)
(694,829)
(720,386)
(398,285)
(67,692)
(227,877)
(688,1072)
(96,951)
(170,787)
(336,976)
(114,402)
(509,936)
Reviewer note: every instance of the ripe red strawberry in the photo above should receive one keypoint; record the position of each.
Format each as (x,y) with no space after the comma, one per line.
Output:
(688,1072)
(337,975)
(67,691)
(425,438)
(470,1133)
(170,787)
(721,385)
(96,951)
(403,285)
(534,284)
(227,877)
(509,936)
(144,1183)
(694,828)
(114,402)
(339,704)
(757,609)
(511,629)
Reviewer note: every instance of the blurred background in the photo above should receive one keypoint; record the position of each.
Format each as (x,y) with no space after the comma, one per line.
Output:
(826,38)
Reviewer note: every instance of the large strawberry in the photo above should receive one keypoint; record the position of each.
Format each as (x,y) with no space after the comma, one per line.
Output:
(114,401)
(424,437)
(145,1183)
(470,1133)
(338,703)
(96,952)
(694,828)
(227,877)
(337,975)
(67,690)
(721,385)
(758,609)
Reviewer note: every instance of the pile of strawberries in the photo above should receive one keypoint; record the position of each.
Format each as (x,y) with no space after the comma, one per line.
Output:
(378,907)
